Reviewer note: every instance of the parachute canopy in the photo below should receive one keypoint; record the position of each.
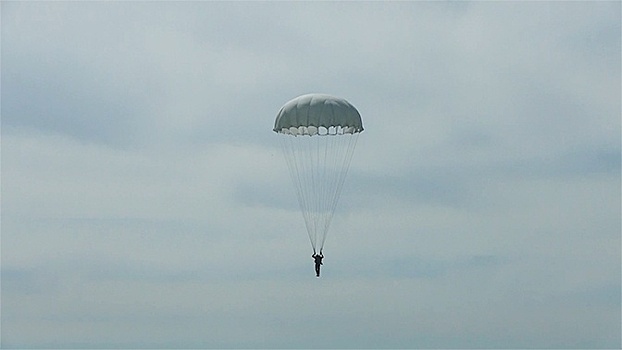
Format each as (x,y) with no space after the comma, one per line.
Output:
(318,114)
(318,135)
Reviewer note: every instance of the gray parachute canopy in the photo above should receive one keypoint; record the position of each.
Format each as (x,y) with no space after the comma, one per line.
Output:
(318,114)
(318,134)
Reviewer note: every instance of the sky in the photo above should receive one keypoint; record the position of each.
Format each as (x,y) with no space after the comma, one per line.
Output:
(146,202)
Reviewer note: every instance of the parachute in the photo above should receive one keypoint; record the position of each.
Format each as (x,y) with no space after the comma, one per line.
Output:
(318,134)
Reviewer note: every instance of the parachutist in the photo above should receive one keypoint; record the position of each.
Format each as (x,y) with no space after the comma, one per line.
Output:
(318,261)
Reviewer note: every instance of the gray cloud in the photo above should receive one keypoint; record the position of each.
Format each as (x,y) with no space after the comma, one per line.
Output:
(145,202)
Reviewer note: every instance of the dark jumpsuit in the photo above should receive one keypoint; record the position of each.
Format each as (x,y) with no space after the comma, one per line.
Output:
(318,261)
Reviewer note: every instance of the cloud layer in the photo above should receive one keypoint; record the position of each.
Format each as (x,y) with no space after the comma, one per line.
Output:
(146,204)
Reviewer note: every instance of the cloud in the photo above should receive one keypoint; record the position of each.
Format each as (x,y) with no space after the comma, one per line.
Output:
(146,204)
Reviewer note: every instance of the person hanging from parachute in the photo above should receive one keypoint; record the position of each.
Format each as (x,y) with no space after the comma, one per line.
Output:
(318,261)
(318,134)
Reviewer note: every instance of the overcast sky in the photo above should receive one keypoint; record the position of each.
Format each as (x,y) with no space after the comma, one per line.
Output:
(146,202)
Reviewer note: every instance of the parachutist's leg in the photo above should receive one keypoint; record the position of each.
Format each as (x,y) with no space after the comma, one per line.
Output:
(317,270)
